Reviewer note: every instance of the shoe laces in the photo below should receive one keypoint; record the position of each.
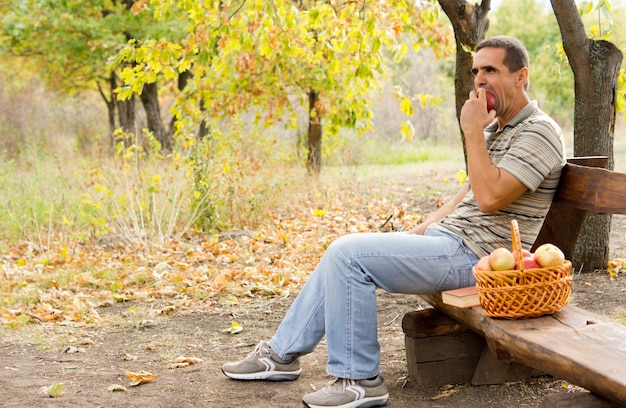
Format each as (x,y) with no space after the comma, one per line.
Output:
(339,384)
(261,349)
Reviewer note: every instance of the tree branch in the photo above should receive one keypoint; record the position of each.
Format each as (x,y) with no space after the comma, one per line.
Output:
(575,41)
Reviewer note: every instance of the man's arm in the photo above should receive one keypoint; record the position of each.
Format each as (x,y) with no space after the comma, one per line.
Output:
(493,187)
(442,211)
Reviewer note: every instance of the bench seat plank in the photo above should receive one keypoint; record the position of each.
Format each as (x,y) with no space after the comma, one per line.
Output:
(593,189)
(574,345)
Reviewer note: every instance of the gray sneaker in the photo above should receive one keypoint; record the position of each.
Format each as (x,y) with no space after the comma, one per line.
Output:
(345,393)
(263,364)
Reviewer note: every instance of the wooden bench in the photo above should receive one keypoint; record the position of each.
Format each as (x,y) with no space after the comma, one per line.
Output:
(448,345)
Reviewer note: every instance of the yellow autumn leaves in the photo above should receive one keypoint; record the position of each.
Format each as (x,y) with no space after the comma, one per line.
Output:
(616,266)
(144,377)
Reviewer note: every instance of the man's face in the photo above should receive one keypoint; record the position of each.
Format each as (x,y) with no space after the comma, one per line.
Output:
(491,73)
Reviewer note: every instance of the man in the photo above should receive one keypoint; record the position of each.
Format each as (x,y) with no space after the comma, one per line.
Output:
(514,163)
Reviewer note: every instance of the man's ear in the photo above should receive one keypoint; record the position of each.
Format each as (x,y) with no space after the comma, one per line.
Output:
(521,76)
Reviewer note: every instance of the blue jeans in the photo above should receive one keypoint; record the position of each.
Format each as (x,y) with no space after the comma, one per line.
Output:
(339,299)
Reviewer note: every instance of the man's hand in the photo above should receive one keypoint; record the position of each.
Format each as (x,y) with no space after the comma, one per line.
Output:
(441,212)
(474,115)
(419,229)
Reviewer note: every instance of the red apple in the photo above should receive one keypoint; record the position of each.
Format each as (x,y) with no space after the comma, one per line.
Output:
(548,255)
(491,101)
(483,264)
(530,263)
(501,259)
(525,253)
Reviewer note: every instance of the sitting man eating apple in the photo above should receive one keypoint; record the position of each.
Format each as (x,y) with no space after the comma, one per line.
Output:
(515,154)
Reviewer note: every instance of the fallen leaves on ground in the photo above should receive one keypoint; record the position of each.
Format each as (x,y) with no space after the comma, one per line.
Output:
(616,266)
(116,388)
(70,283)
(182,361)
(446,392)
(54,390)
(234,328)
(73,350)
(141,377)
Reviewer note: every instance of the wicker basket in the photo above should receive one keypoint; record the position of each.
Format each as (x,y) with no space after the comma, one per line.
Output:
(524,293)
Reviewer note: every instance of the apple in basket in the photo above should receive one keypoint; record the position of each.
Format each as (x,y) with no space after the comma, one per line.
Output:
(548,255)
(483,264)
(525,253)
(530,263)
(501,259)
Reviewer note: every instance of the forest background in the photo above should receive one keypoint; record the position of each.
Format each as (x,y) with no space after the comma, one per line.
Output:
(91,215)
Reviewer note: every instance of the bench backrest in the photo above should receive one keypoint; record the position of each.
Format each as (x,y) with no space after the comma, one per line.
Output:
(585,186)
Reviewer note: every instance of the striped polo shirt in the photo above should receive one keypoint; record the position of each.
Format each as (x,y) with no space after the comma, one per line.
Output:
(531,148)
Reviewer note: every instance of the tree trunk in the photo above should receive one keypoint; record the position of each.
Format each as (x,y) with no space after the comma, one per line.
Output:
(596,66)
(110,103)
(150,100)
(126,114)
(203,130)
(112,106)
(470,23)
(314,160)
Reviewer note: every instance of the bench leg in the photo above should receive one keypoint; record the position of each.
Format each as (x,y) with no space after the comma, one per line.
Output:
(440,350)
(491,370)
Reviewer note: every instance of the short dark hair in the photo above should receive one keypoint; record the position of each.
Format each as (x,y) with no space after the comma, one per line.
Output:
(516,56)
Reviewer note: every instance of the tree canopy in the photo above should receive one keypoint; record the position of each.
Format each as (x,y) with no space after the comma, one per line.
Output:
(71,41)
(259,54)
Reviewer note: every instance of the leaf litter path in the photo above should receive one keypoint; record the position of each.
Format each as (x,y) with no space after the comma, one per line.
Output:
(87,315)
(67,282)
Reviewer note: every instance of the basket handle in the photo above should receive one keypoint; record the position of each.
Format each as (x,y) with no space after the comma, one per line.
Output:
(516,243)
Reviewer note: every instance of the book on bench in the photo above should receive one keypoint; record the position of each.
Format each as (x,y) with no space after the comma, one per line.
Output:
(462,297)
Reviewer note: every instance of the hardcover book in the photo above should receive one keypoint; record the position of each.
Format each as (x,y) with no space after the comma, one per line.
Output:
(462,297)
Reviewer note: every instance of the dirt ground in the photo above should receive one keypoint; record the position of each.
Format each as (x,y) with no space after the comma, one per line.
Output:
(146,336)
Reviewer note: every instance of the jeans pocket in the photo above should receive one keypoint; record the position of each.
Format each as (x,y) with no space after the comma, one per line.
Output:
(457,278)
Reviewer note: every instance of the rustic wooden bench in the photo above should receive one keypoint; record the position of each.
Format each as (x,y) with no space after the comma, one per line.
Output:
(450,345)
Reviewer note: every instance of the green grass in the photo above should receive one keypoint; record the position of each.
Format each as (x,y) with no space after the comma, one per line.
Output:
(37,198)
(152,198)
(423,151)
